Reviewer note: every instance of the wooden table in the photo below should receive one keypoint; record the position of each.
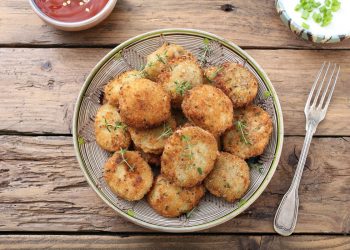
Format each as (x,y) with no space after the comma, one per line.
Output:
(45,202)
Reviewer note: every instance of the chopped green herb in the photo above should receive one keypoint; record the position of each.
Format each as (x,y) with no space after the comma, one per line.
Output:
(321,14)
(131,212)
(305,25)
(185,138)
(182,87)
(267,94)
(254,163)
(200,171)
(241,202)
(206,50)
(241,127)
(81,140)
(117,125)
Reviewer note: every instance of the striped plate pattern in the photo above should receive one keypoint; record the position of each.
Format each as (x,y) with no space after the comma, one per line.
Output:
(132,55)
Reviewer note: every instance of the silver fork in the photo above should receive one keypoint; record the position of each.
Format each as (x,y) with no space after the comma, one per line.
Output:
(315,111)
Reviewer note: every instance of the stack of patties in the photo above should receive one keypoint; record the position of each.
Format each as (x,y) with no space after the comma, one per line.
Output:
(175,115)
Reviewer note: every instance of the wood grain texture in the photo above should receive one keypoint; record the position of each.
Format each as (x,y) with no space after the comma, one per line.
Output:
(9,242)
(43,189)
(249,23)
(39,87)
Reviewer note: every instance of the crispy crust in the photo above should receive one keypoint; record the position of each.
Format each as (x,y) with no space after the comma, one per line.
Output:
(235,81)
(144,104)
(157,60)
(209,108)
(153,140)
(170,200)
(258,132)
(230,177)
(189,156)
(128,184)
(111,138)
(181,71)
(112,88)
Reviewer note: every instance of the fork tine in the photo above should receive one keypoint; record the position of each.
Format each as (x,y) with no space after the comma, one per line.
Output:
(320,86)
(331,91)
(314,86)
(326,88)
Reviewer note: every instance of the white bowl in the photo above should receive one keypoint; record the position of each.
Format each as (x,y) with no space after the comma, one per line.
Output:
(75,26)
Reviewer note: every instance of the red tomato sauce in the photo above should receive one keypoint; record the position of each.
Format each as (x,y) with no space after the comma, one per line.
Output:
(71,10)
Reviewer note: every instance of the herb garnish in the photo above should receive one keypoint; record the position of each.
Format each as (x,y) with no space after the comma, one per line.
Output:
(241,127)
(167,131)
(254,163)
(267,94)
(320,14)
(81,140)
(117,125)
(200,171)
(122,153)
(130,212)
(241,202)
(214,74)
(188,147)
(189,213)
(162,58)
(182,87)
(206,50)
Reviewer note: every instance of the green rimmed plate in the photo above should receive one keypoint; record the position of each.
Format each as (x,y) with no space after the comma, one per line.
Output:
(131,54)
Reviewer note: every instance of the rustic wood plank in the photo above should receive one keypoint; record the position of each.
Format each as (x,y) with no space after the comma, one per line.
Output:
(10,242)
(305,242)
(249,24)
(38,92)
(43,189)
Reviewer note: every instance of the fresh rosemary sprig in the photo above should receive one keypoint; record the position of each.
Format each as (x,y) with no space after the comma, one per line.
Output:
(182,87)
(206,50)
(122,153)
(117,125)
(167,131)
(241,127)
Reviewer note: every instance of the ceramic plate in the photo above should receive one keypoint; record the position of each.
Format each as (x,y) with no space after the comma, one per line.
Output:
(131,54)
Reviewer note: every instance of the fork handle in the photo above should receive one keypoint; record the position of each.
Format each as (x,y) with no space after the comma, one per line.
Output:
(287,212)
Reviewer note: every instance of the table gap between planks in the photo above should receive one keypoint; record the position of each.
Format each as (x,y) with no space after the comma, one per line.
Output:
(45,201)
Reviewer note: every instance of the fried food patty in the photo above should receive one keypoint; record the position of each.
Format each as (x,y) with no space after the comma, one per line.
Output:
(158,60)
(209,108)
(111,133)
(128,175)
(188,156)
(152,140)
(170,200)
(112,88)
(144,104)
(250,134)
(237,82)
(182,74)
(229,178)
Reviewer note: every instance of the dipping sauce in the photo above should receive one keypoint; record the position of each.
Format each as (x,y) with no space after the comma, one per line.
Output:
(71,10)
(340,23)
